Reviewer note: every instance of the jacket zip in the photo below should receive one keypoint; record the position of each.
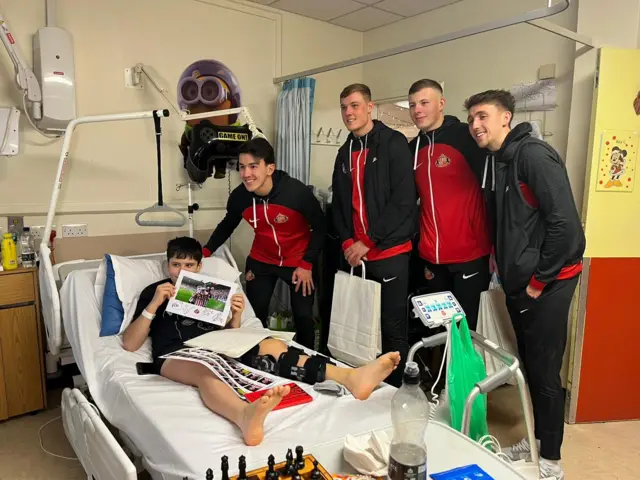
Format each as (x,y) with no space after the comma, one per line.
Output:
(430,149)
(275,237)
(358,181)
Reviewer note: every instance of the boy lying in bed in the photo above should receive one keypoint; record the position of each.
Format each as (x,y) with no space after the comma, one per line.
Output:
(169,332)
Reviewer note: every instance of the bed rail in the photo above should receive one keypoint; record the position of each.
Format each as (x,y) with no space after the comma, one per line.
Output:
(99,452)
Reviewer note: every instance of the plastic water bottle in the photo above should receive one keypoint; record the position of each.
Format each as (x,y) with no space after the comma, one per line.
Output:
(410,417)
(27,249)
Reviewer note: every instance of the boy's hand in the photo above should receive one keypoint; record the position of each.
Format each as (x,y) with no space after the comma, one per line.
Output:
(237,304)
(163,292)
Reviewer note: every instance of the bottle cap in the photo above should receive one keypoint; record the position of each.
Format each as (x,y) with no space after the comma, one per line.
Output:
(26,229)
(411,374)
(7,235)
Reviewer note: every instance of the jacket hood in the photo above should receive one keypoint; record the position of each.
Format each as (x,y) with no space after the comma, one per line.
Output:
(378,126)
(279,178)
(448,122)
(511,142)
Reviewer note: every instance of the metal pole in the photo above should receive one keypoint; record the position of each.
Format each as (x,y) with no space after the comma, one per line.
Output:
(447,37)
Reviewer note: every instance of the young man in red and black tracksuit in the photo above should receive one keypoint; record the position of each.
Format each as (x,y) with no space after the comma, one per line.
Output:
(539,247)
(289,228)
(374,211)
(455,239)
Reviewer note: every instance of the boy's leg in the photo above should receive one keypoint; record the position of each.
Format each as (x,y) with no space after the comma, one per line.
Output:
(302,307)
(260,283)
(220,399)
(359,381)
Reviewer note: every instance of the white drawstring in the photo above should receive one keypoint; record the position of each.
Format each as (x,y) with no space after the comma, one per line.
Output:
(493,172)
(415,157)
(350,145)
(255,218)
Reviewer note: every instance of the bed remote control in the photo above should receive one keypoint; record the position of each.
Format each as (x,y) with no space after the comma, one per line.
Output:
(436,309)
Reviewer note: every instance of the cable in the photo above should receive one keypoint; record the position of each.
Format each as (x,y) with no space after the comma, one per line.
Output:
(26,113)
(47,451)
(435,397)
(59,417)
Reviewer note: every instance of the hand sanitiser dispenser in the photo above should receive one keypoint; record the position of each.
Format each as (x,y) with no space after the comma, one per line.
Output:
(53,64)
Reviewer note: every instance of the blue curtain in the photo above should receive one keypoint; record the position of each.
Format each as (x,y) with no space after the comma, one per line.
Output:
(293,115)
(293,150)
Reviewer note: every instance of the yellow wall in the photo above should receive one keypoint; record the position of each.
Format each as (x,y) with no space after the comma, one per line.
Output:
(611,218)
(256,42)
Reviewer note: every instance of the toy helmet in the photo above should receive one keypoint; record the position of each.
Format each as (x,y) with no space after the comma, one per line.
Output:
(204,82)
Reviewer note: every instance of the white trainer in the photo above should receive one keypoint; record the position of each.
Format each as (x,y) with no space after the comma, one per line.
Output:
(550,470)
(520,451)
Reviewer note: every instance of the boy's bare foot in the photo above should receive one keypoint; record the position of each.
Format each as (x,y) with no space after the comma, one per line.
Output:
(362,381)
(254,414)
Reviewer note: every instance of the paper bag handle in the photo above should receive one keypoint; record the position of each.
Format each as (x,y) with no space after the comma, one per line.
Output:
(364,274)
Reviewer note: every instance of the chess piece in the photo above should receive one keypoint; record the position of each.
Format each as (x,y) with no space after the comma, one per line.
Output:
(209,474)
(299,459)
(296,476)
(242,468)
(271,473)
(289,468)
(224,467)
(315,473)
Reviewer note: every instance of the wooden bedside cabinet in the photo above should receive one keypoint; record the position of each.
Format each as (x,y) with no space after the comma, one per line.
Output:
(22,387)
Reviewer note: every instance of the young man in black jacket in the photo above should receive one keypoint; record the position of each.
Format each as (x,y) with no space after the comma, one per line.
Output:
(539,247)
(374,210)
(289,228)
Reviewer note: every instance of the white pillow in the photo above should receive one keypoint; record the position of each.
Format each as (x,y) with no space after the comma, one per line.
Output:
(218,268)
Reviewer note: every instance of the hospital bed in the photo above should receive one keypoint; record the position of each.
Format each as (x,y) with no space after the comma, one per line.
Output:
(169,432)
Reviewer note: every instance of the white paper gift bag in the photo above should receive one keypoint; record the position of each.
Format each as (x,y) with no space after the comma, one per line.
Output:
(354,331)
(494,323)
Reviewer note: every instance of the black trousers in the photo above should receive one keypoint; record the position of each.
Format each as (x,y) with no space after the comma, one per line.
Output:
(541,333)
(465,280)
(393,276)
(261,280)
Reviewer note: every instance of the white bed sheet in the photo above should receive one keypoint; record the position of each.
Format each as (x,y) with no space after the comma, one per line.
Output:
(177,435)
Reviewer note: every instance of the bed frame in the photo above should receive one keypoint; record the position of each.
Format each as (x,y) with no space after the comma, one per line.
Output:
(100,453)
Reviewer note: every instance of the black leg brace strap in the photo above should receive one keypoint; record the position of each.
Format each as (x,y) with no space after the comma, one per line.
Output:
(314,370)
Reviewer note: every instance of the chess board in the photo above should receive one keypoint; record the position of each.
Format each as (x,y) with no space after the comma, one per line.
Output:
(305,472)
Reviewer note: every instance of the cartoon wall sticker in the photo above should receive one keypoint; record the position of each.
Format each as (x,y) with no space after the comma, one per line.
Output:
(617,164)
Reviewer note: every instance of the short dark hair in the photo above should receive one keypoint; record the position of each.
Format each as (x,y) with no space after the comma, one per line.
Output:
(184,247)
(499,98)
(356,88)
(425,83)
(259,148)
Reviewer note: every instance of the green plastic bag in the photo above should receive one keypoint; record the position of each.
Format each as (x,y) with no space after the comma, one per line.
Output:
(466,368)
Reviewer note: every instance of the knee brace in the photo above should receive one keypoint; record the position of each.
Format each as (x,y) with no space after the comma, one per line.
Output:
(265,363)
(314,370)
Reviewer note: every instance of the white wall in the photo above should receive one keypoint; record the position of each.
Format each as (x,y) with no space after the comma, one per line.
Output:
(111,171)
(497,59)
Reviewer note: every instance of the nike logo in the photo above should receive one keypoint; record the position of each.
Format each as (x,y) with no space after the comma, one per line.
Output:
(465,277)
(418,166)
(525,310)
(387,280)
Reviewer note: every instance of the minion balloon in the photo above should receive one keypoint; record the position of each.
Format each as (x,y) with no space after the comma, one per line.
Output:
(208,144)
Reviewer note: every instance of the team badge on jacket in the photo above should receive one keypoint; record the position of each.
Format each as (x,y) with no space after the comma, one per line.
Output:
(443,161)
(280,218)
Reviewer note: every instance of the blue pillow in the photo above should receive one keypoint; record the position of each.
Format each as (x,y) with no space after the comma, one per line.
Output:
(112,309)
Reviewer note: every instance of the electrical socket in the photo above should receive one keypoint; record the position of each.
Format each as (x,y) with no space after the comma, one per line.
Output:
(75,230)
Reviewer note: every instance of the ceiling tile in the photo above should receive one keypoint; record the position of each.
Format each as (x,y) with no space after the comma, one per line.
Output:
(263,2)
(369,2)
(409,8)
(319,9)
(366,19)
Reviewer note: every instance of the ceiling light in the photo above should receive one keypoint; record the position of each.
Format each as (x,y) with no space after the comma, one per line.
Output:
(402,104)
